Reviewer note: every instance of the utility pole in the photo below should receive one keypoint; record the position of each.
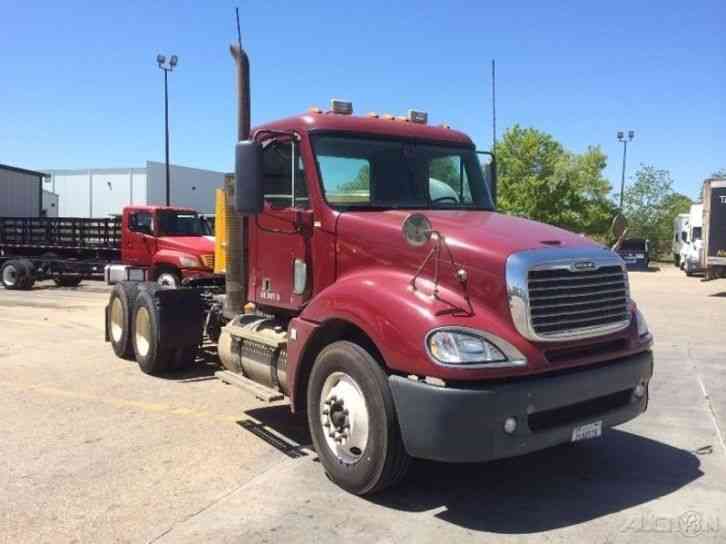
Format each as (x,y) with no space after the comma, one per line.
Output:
(624,140)
(166,68)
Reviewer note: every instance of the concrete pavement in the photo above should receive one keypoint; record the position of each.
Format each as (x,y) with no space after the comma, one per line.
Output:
(93,450)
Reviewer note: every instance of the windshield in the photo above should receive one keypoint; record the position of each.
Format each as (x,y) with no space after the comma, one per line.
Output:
(173,223)
(362,173)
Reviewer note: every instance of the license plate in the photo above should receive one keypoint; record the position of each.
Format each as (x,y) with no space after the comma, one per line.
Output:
(586,432)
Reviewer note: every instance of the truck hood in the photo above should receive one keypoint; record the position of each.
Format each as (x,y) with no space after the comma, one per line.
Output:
(194,245)
(479,239)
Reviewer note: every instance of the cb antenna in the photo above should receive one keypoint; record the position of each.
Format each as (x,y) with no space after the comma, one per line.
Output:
(239,33)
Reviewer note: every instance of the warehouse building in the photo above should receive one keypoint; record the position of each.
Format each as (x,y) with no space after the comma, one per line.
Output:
(22,193)
(100,192)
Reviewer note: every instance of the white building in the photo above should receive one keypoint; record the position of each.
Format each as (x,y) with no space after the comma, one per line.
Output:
(100,192)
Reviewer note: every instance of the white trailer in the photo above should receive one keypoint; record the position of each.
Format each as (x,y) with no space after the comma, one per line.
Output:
(680,237)
(692,250)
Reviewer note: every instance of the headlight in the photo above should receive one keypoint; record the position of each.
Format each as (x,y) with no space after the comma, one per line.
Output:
(188,262)
(458,346)
(642,323)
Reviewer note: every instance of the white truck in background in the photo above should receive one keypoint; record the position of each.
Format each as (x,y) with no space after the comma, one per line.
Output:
(691,254)
(680,237)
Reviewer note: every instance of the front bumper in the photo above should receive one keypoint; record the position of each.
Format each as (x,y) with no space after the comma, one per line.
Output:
(466,424)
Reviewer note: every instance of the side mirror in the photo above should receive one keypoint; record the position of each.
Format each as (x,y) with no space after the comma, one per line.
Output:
(248,192)
(489,169)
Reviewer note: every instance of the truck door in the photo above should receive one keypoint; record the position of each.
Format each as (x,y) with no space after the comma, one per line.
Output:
(139,243)
(280,246)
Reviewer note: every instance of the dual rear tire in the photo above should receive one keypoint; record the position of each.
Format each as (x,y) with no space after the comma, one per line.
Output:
(134,330)
(17,274)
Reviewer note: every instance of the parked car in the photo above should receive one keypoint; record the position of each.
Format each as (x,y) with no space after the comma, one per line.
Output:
(634,251)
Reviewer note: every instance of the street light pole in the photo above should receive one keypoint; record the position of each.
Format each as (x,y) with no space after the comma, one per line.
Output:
(166,68)
(624,140)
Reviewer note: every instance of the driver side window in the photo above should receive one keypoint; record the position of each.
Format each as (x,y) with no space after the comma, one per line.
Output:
(140,222)
(283,169)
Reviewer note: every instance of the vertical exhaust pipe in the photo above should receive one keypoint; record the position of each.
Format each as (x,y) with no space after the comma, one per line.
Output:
(236,273)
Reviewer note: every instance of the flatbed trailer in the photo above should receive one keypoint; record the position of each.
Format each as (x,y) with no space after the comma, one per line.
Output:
(64,249)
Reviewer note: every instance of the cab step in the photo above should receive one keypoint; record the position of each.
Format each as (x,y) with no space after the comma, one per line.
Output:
(261,392)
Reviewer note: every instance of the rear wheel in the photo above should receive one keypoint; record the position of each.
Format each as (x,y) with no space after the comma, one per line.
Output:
(120,309)
(11,275)
(353,421)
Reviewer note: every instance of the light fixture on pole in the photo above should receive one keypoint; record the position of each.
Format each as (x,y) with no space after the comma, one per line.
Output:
(622,138)
(166,67)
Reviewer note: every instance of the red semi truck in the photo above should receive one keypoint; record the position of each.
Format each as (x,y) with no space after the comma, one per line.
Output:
(394,305)
(166,244)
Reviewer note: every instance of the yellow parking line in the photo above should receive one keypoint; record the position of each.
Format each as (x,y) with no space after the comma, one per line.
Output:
(150,407)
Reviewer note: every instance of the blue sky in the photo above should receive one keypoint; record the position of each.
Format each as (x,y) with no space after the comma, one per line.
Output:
(80,87)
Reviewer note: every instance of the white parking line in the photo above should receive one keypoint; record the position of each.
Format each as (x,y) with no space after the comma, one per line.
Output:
(711,412)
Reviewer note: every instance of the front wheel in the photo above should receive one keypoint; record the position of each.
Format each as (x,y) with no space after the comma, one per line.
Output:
(353,420)
(168,279)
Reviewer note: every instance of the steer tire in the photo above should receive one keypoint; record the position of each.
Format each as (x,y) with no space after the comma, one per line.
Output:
(153,357)
(383,462)
(120,326)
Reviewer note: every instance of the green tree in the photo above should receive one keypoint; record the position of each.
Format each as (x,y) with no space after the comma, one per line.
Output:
(540,179)
(361,182)
(650,205)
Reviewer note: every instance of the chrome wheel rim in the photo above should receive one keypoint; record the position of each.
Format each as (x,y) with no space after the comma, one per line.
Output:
(10,275)
(344,417)
(142,328)
(117,319)
(167,281)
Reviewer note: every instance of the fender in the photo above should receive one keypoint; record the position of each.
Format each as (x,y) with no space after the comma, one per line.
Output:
(397,317)
(171,257)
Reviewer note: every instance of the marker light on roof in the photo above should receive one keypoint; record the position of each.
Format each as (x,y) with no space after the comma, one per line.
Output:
(315,109)
(342,107)
(387,116)
(373,114)
(416,116)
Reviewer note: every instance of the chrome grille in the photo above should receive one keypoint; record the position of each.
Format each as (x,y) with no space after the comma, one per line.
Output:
(564,301)
(559,294)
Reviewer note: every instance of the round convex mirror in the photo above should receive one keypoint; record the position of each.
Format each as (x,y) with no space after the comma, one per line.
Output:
(416,229)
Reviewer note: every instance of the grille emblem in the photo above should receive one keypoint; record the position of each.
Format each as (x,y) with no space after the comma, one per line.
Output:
(584,265)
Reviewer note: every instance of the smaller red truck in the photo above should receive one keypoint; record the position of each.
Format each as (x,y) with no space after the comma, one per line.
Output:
(168,244)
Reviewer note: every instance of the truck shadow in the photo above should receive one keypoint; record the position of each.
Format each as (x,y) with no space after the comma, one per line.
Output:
(547,490)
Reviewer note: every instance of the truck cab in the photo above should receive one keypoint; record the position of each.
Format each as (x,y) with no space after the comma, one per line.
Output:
(172,243)
(379,290)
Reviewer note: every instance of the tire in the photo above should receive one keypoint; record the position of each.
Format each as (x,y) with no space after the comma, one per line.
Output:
(24,274)
(120,327)
(68,281)
(11,274)
(346,374)
(152,356)
(168,278)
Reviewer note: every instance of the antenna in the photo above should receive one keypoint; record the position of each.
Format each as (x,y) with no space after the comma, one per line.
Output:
(494,106)
(239,33)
